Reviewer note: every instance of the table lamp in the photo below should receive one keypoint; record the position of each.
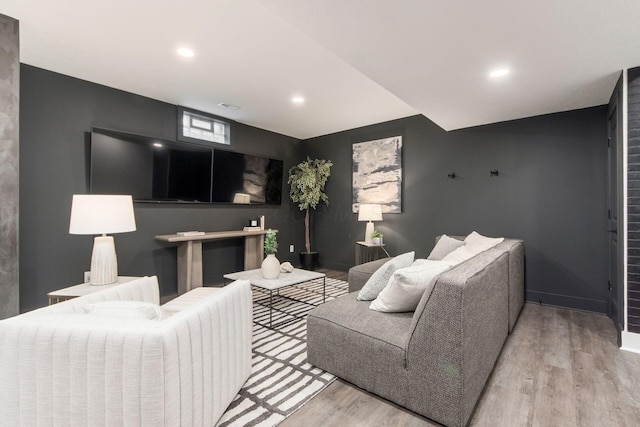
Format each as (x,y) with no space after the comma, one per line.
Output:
(102,214)
(369,212)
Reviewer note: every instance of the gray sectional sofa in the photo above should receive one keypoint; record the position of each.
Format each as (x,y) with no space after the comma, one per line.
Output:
(434,361)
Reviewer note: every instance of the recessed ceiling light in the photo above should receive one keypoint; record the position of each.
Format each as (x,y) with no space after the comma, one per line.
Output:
(297,100)
(186,52)
(157,144)
(500,72)
(229,106)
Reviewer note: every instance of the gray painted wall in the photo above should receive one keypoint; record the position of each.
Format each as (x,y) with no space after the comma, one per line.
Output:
(57,113)
(551,192)
(9,125)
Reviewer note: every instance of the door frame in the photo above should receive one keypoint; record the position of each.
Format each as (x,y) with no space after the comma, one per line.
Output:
(615,111)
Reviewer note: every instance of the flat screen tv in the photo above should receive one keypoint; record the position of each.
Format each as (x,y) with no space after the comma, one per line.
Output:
(154,170)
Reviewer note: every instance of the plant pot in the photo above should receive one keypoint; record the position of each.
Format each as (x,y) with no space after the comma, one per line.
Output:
(309,260)
(376,240)
(270,267)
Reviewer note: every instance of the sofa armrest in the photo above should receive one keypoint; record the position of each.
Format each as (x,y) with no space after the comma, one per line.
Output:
(359,274)
(72,368)
(457,334)
(208,372)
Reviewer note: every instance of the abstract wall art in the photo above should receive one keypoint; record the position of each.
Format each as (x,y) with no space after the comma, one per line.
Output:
(377,173)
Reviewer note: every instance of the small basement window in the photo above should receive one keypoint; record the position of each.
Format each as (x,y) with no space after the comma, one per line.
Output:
(202,127)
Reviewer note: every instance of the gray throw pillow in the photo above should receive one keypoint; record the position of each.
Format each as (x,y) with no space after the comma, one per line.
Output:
(444,247)
(381,276)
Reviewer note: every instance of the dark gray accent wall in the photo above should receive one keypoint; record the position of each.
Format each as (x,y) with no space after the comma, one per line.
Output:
(551,192)
(57,112)
(633,201)
(9,120)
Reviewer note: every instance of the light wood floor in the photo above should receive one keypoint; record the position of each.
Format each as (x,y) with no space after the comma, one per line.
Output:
(559,367)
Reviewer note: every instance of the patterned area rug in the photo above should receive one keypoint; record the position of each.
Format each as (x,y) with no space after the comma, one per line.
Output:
(281,380)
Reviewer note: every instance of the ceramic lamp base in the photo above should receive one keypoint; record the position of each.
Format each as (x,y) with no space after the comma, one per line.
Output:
(104,264)
(367,232)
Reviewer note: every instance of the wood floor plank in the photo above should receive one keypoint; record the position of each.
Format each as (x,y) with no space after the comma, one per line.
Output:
(552,405)
(559,367)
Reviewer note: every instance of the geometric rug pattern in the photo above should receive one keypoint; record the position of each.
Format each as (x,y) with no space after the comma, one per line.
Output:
(281,380)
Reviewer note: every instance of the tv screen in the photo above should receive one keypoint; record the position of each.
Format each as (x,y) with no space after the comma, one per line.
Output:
(243,178)
(154,170)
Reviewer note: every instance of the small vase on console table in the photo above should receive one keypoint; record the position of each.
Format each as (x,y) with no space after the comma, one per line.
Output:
(271,267)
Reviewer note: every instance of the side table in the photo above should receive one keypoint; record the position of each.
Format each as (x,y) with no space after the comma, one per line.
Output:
(366,252)
(83,289)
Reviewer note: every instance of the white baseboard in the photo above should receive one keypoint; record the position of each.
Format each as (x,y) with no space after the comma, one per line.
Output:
(630,342)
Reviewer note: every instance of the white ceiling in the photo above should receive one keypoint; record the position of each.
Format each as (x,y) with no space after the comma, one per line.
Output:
(356,62)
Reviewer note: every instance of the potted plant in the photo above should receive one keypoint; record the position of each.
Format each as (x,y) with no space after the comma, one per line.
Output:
(376,237)
(307,180)
(270,265)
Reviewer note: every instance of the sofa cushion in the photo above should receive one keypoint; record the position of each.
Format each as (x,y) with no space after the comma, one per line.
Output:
(481,243)
(364,347)
(359,274)
(408,285)
(126,308)
(346,311)
(188,299)
(445,246)
(380,278)
(474,244)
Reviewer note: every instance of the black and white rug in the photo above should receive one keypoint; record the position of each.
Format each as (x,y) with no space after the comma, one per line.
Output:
(281,380)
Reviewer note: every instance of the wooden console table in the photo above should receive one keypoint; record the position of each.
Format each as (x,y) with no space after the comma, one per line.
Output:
(190,253)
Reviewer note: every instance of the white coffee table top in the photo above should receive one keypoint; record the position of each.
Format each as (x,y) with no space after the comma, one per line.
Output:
(298,275)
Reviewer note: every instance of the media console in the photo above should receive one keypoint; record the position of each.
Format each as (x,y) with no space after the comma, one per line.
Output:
(190,253)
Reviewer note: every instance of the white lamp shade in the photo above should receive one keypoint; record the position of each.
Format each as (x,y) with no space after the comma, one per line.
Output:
(370,212)
(101,214)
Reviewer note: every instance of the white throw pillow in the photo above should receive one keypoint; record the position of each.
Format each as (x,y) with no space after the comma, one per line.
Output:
(125,308)
(444,247)
(474,244)
(481,243)
(461,254)
(381,276)
(408,285)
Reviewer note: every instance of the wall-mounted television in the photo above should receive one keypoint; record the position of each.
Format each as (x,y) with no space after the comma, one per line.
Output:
(153,170)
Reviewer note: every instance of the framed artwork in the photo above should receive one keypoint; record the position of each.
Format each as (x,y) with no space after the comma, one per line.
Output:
(377,174)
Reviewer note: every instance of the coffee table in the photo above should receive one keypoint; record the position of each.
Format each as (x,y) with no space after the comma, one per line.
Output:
(296,277)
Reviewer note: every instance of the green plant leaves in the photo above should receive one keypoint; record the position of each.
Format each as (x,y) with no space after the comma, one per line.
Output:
(307,180)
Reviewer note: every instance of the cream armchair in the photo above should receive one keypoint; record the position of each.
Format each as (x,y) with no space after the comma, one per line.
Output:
(60,366)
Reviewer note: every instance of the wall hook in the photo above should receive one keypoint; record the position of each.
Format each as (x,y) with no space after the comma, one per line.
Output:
(452,175)
(495,172)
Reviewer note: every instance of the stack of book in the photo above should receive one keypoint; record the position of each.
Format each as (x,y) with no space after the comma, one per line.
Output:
(190,233)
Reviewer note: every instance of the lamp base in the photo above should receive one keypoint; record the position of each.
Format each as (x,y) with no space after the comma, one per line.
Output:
(367,233)
(104,264)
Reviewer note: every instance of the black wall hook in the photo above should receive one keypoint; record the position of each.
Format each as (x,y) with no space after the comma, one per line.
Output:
(494,172)
(452,175)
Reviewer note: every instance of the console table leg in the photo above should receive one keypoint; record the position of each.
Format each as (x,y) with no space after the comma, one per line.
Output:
(253,251)
(189,266)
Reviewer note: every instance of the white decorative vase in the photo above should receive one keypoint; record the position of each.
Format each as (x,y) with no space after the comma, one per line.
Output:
(270,267)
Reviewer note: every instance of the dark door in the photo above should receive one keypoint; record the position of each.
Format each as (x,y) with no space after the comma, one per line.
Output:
(616,298)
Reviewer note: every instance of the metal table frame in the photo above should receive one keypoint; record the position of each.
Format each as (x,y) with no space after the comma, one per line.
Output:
(296,277)
(277,294)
